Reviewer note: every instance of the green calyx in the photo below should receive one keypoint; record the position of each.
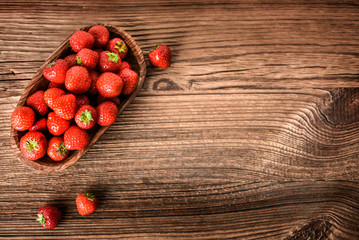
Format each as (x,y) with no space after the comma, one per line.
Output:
(61,149)
(120,46)
(90,196)
(113,57)
(41,218)
(86,117)
(51,64)
(31,145)
(79,61)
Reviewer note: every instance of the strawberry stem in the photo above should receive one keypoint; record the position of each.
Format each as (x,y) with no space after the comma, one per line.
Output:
(79,61)
(86,117)
(61,149)
(90,196)
(31,145)
(121,46)
(113,57)
(51,64)
(41,219)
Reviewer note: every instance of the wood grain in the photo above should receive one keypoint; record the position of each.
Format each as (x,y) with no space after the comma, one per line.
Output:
(252,133)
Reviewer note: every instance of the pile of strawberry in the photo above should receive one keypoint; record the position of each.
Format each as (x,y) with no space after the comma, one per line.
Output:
(83,91)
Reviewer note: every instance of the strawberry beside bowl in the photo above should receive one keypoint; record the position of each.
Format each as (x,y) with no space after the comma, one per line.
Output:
(45,164)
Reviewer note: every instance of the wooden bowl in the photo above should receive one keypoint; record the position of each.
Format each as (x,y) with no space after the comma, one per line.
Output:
(134,57)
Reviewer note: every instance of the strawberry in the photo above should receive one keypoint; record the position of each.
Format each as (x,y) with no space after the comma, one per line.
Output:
(51,94)
(130,81)
(76,138)
(81,39)
(117,45)
(49,217)
(100,34)
(124,65)
(86,117)
(107,113)
(99,51)
(82,100)
(40,125)
(36,101)
(57,125)
(86,203)
(77,80)
(56,149)
(22,118)
(56,85)
(71,60)
(109,85)
(94,76)
(33,145)
(160,56)
(65,106)
(56,71)
(87,58)
(115,100)
(109,62)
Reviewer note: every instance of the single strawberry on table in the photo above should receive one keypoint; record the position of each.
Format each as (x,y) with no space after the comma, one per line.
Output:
(57,125)
(56,149)
(87,58)
(71,60)
(130,81)
(76,138)
(117,45)
(22,118)
(65,106)
(107,113)
(109,62)
(52,93)
(77,80)
(56,71)
(109,85)
(86,117)
(33,145)
(86,203)
(40,125)
(81,39)
(160,56)
(36,101)
(49,217)
(100,34)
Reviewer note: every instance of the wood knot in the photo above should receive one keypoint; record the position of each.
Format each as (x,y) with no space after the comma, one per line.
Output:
(341,106)
(165,84)
(314,230)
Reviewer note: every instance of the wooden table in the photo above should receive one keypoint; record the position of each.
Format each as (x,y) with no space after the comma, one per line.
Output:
(252,133)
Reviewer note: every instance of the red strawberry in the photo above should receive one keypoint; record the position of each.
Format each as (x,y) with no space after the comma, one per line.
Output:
(115,100)
(33,145)
(56,85)
(76,138)
(107,113)
(51,94)
(57,125)
(81,39)
(56,71)
(94,76)
(71,60)
(56,149)
(160,56)
(82,100)
(77,80)
(109,85)
(65,106)
(22,118)
(40,125)
(86,203)
(100,34)
(124,65)
(86,117)
(87,58)
(130,81)
(99,51)
(37,102)
(117,45)
(49,217)
(109,62)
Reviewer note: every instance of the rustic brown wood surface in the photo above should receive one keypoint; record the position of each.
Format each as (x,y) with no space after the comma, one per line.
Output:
(252,133)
